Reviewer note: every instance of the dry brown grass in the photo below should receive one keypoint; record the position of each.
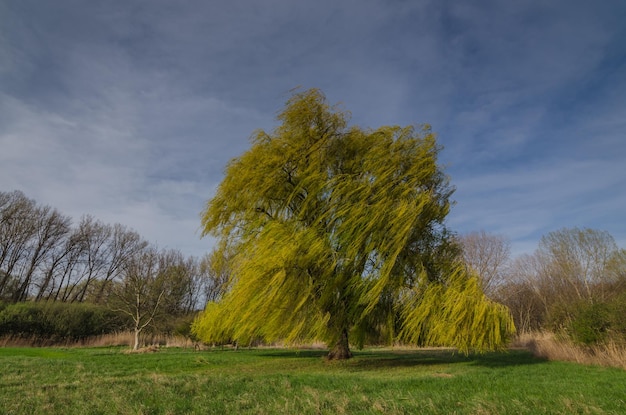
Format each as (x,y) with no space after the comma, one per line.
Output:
(547,345)
(146,349)
(14,341)
(105,340)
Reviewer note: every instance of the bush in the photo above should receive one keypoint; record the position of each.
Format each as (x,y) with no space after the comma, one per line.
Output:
(58,321)
(79,321)
(591,323)
(23,320)
(173,325)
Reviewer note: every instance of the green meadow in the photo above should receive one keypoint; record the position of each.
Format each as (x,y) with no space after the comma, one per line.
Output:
(278,381)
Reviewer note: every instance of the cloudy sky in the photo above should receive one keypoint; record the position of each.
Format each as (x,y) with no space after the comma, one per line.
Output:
(129,110)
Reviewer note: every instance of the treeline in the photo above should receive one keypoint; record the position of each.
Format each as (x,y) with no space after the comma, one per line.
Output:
(574,284)
(70,281)
(45,257)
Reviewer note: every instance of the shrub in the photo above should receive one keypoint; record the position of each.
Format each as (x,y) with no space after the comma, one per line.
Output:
(58,321)
(23,320)
(79,321)
(591,323)
(174,325)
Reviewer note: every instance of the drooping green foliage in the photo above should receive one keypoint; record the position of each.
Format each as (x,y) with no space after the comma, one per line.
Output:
(331,226)
(456,313)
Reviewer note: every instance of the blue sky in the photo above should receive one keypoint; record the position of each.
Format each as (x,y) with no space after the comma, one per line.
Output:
(129,110)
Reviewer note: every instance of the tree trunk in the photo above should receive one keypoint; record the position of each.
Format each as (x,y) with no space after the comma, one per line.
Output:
(136,345)
(341,350)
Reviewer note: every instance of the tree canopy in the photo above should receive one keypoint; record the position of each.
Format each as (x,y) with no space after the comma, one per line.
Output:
(337,233)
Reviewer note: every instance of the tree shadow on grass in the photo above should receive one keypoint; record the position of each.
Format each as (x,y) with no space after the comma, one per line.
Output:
(295,353)
(514,357)
(428,357)
(386,359)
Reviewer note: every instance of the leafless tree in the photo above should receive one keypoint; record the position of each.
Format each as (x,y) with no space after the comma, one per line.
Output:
(94,238)
(487,255)
(17,228)
(527,295)
(70,268)
(579,260)
(215,272)
(177,275)
(50,229)
(122,245)
(140,293)
(52,270)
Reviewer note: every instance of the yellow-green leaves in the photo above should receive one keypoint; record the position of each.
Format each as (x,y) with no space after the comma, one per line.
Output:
(327,228)
(457,314)
(273,292)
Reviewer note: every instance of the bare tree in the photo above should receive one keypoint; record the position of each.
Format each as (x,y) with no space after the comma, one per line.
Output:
(616,271)
(17,228)
(121,247)
(527,294)
(176,273)
(488,256)
(94,237)
(215,273)
(140,293)
(579,260)
(69,269)
(50,229)
(55,267)
(195,295)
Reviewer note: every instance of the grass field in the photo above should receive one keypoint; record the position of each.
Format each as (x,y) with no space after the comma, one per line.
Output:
(270,381)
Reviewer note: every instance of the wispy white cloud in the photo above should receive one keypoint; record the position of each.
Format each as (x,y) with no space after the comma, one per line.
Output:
(526,203)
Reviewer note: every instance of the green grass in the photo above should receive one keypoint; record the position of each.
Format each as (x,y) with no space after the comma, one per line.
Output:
(178,381)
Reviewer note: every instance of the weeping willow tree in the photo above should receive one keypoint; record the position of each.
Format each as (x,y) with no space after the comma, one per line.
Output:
(334,233)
